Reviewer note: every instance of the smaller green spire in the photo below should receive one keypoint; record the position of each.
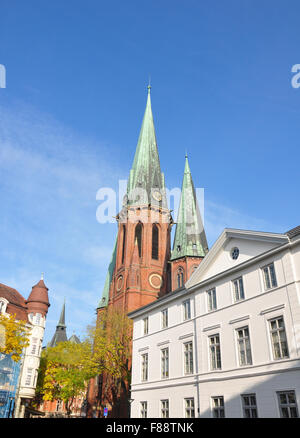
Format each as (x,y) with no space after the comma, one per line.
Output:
(109,275)
(190,238)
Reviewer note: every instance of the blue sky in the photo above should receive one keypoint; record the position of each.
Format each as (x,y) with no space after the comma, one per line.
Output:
(70,115)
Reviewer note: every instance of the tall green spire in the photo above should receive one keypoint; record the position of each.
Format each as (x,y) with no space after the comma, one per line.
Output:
(145,173)
(190,238)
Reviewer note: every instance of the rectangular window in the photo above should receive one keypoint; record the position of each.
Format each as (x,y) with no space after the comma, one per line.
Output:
(238,289)
(249,405)
(287,404)
(186,310)
(38,318)
(211,299)
(146,325)
(165,363)
(164,408)
(269,276)
(143,409)
(244,348)
(164,318)
(28,376)
(278,338)
(189,408)
(145,367)
(218,409)
(188,358)
(34,345)
(215,352)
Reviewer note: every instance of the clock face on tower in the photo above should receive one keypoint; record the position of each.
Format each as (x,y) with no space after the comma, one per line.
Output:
(157,195)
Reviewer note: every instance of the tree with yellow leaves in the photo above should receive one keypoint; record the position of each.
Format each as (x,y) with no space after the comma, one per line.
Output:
(14,336)
(112,346)
(64,372)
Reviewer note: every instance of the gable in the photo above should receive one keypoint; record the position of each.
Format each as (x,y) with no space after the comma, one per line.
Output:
(249,243)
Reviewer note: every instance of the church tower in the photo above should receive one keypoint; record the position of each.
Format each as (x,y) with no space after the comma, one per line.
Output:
(190,244)
(138,271)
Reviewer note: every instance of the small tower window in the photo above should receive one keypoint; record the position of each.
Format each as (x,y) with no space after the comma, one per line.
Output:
(178,248)
(180,277)
(155,235)
(138,236)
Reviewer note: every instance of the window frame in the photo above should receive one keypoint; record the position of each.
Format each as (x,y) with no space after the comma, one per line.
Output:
(211,299)
(143,409)
(219,408)
(251,407)
(165,363)
(144,367)
(188,358)
(187,315)
(278,329)
(269,276)
(244,341)
(214,354)
(164,318)
(237,290)
(163,409)
(287,406)
(189,407)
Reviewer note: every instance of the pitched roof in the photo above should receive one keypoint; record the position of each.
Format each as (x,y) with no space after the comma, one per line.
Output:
(16,303)
(190,238)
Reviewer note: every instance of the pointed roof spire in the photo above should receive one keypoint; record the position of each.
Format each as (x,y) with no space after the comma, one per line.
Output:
(190,238)
(146,174)
(60,334)
(61,322)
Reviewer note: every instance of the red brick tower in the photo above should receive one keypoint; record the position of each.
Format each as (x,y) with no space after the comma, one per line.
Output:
(138,272)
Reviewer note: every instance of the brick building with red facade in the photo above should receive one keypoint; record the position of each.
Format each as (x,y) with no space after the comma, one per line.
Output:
(143,267)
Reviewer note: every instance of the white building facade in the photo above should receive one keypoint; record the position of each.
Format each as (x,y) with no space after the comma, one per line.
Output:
(228,344)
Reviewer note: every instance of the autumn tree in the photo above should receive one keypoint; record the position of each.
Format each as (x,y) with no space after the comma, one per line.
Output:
(14,336)
(111,339)
(64,372)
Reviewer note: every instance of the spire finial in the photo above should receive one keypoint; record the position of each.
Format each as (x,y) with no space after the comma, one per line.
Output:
(42,276)
(149,84)
(186,154)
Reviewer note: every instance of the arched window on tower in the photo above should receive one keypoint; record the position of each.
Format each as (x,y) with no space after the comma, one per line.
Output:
(180,277)
(124,241)
(155,238)
(138,236)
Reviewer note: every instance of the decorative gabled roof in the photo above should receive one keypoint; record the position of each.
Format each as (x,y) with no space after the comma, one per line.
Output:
(111,267)
(146,178)
(190,238)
